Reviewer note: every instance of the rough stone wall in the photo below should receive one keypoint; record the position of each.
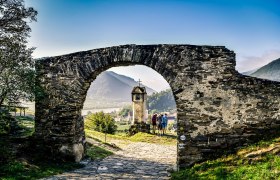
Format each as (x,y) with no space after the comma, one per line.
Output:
(223,115)
(218,109)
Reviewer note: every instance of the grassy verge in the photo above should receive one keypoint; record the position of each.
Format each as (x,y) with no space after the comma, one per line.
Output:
(151,138)
(23,170)
(101,136)
(13,167)
(27,124)
(258,161)
(97,153)
(123,127)
(139,137)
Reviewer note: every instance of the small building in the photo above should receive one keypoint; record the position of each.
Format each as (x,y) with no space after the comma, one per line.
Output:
(139,104)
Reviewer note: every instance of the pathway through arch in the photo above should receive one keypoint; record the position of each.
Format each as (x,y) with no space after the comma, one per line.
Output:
(136,160)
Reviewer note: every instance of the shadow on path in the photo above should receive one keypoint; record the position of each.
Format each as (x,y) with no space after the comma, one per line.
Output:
(136,161)
(119,167)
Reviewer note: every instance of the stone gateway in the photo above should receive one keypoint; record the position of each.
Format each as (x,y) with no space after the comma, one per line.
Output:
(219,109)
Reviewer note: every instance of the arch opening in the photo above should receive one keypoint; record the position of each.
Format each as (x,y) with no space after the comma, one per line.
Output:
(111,93)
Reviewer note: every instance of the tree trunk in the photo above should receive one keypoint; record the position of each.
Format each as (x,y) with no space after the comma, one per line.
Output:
(2,98)
(1,101)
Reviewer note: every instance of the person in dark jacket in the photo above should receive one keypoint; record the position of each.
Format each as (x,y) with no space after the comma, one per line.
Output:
(159,123)
(154,122)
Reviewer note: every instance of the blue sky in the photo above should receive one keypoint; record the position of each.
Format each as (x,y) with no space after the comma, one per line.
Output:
(248,27)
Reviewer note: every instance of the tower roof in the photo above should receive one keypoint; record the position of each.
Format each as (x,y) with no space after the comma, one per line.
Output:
(139,90)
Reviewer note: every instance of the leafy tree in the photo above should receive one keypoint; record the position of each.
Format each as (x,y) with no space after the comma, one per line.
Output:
(16,63)
(125,111)
(162,101)
(101,122)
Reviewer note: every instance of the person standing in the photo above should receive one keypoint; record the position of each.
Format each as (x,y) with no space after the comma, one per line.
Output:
(159,121)
(164,123)
(154,122)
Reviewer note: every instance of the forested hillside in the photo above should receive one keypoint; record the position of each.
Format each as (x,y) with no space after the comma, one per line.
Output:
(162,101)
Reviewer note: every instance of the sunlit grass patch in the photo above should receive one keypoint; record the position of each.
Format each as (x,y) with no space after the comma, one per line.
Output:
(101,136)
(139,137)
(151,138)
(26,124)
(258,161)
(23,170)
(95,152)
(123,127)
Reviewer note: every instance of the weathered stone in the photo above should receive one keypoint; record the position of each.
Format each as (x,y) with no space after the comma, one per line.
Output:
(211,97)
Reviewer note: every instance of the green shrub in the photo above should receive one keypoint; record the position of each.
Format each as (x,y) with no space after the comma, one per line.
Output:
(5,118)
(5,153)
(101,122)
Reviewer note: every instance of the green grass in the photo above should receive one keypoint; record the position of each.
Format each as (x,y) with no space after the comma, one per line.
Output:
(101,136)
(265,164)
(12,167)
(151,138)
(27,124)
(139,137)
(97,153)
(24,170)
(123,127)
(25,121)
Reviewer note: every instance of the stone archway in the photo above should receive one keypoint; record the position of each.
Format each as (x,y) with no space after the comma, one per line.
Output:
(218,109)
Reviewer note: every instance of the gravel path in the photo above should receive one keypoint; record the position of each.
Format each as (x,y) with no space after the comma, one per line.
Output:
(135,161)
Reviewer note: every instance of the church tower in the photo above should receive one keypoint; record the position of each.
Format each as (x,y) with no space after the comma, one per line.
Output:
(139,104)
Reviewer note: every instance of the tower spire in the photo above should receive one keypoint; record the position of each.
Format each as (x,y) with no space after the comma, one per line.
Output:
(139,81)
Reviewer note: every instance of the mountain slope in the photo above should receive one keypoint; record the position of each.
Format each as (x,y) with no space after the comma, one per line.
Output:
(110,89)
(129,81)
(249,72)
(270,71)
(106,86)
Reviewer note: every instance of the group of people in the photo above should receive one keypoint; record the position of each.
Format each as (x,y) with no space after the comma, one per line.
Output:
(159,122)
